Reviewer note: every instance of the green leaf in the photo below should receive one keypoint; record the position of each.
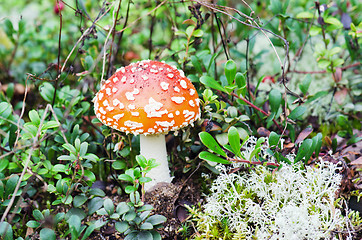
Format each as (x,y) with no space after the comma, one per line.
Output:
(83,149)
(304,86)
(232,111)
(273,139)
(89,174)
(67,199)
(30,129)
(129,216)
(6,231)
(59,168)
(318,139)
(108,206)
(2,190)
(257,148)
(211,143)
(324,63)
(155,235)
(276,6)
(334,51)
(9,29)
(47,234)
(21,26)
(38,215)
(102,212)
(213,158)
(146,226)
(297,112)
(67,158)
(212,83)
(189,30)
(118,165)
(77,144)
(97,192)
(343,122)
(91,157)
(198,33)
(122,226)
(144,235)
(74,225)
(316,96)
(275,99)
(50,124)
(5,110)
(234,140)
(47,91)
(122,208)
(196,63)
(240,81)
(125,177)
(79,200)
(34,117)
(303,150)
(94,204)
(144,180)
(11,184)
(89,231)
(130,189)
(230,71)
(337,62)
(3,164)
(146,207)
(305,15)
(333,21)
(142,161)
(131,236)
(156,219)
(70,148)
(75,211)
(32,224)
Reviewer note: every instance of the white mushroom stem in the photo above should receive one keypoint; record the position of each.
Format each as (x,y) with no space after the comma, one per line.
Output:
(154,146)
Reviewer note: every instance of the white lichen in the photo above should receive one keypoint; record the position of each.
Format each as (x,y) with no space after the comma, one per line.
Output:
(292,203)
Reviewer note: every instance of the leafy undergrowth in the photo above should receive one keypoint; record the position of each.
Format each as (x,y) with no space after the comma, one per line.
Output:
(275,79)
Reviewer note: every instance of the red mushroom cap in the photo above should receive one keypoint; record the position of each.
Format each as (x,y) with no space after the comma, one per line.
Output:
(147,97)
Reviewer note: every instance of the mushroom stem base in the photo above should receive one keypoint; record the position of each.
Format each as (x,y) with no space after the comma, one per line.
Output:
(154,146)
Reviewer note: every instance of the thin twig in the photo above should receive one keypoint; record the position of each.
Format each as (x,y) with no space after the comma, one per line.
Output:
(113,36)
(221,36)
(124,25)
(27,161)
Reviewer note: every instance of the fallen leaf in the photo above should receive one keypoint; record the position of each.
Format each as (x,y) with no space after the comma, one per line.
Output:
(289,145)
(358,161)
(340,96)
(303,134)
(263,132)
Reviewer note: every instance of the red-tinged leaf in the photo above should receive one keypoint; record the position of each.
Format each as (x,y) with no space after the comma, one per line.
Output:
(263,132)
(338,75)
(189,22)
(340,96)
(303,134)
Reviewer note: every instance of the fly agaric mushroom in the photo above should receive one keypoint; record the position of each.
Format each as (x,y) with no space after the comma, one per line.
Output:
(149,98)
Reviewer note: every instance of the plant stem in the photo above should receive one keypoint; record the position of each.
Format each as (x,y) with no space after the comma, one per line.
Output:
(256,108)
